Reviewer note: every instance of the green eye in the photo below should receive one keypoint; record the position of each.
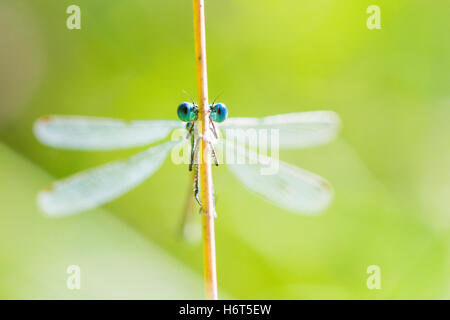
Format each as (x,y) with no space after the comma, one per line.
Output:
(218,112)
(187,111)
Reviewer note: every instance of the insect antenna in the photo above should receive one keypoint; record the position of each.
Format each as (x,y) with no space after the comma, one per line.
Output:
(217,97)
(189,96)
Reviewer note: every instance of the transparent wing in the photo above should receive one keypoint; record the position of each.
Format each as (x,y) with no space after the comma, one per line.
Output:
(285,185)
(296,130)
(88,133)
(94,187)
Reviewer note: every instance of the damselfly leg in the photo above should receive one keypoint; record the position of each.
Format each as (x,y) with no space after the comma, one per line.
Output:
(196,185)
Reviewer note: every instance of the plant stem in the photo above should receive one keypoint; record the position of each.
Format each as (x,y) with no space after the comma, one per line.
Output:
(206,183)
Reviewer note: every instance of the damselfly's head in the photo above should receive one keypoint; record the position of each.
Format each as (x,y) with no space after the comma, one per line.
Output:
(218,112)
(187,111)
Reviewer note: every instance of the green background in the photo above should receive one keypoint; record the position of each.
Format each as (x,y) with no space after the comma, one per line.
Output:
(390,166)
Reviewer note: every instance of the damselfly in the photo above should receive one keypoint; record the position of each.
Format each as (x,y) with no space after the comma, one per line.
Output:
(289,187)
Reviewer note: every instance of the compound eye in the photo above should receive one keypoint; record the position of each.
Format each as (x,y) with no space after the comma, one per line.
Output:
(186,112)
(219,112)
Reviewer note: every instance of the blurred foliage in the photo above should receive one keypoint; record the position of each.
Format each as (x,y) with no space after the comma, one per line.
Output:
(131,59)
